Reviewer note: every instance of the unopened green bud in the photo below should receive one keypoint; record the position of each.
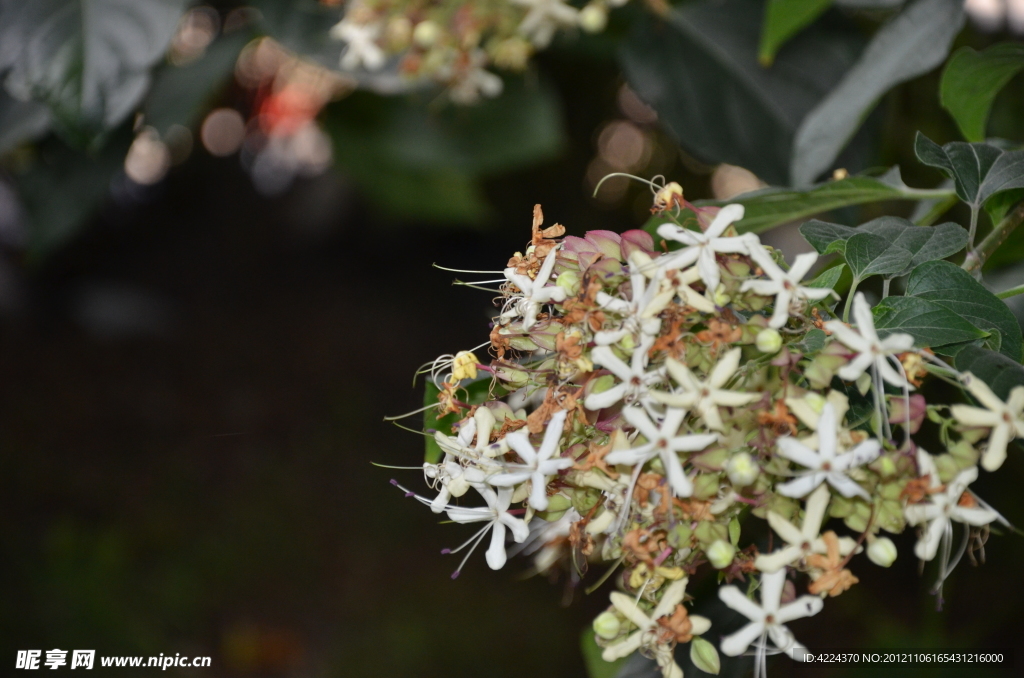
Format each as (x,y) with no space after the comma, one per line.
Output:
(882,552)
(768,341)
(742,469)
(679,536)
(593,18)
(947,467)
(558,502)
(705,486)
(607,625)
(569,281)
(426,34)
(722,297)
(708,532)
(720,554)
(886,467)
(704,656)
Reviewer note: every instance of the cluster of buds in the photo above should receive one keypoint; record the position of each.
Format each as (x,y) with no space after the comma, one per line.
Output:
(454,42)
(649,404)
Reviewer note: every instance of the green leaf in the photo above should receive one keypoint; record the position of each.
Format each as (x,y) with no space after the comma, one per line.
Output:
(88,60)
(181,94)
(782,20)
(972,80)
(63,188)
(770,207)
(472,393)
(427,163)
(596,666)
(979,171)
(21,121)
(868,254)
(698,68)
(932,325)
(999,205)
(303,26)
(911,44)
(948,285)
(995,369)
(827,237)
(828,278)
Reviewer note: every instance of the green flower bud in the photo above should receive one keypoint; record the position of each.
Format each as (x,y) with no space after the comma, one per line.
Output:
(607,625)
(705,486)
(704,656)
(947,467)
(768,341)
(882,552)
(679,536)
(593,18)
(708,532)
(559,502)
(569,281)
(742,469)
(720,554)
(426,34)
(722,296)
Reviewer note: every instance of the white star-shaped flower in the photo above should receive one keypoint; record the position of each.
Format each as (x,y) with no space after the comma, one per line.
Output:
(635,381)
(768,619)
(679,283)
(825,465)
(701,247)
(705,397)
(664,442)
(539,462)
(647,625)
(535,292)
(640,311)
(497,517)
(544,18)
(873,351)
(803,541)
(783,285)
(1005,419)
(361,39)
(943,507)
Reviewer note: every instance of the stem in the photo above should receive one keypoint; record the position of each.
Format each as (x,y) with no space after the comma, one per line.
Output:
(849,300)
(1012,292)
(885,287)
(977,256)
(974,226)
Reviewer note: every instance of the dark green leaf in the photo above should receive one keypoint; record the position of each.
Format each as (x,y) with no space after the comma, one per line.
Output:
(782,20)
(828,278)
(995,369)
(770,207)
(948,285)
(971,81)
(21,121)
(812,342)
(303,26)
(596,666)
(63,188)
(868,254)
(921,242)
(925,243)
(427,163)
(827,237)
(88,60)
(979,171)
(932,325)
(912,44)
(180,94)
(699,69)
(999,205)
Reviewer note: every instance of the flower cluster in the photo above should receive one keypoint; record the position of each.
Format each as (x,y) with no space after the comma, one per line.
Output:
(455,42)
(648,403)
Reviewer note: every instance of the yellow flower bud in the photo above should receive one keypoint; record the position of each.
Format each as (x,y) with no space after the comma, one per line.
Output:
(768,341)
(464,366)
(607,625)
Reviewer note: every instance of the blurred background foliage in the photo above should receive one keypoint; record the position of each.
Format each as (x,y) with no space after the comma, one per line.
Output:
(215,281)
